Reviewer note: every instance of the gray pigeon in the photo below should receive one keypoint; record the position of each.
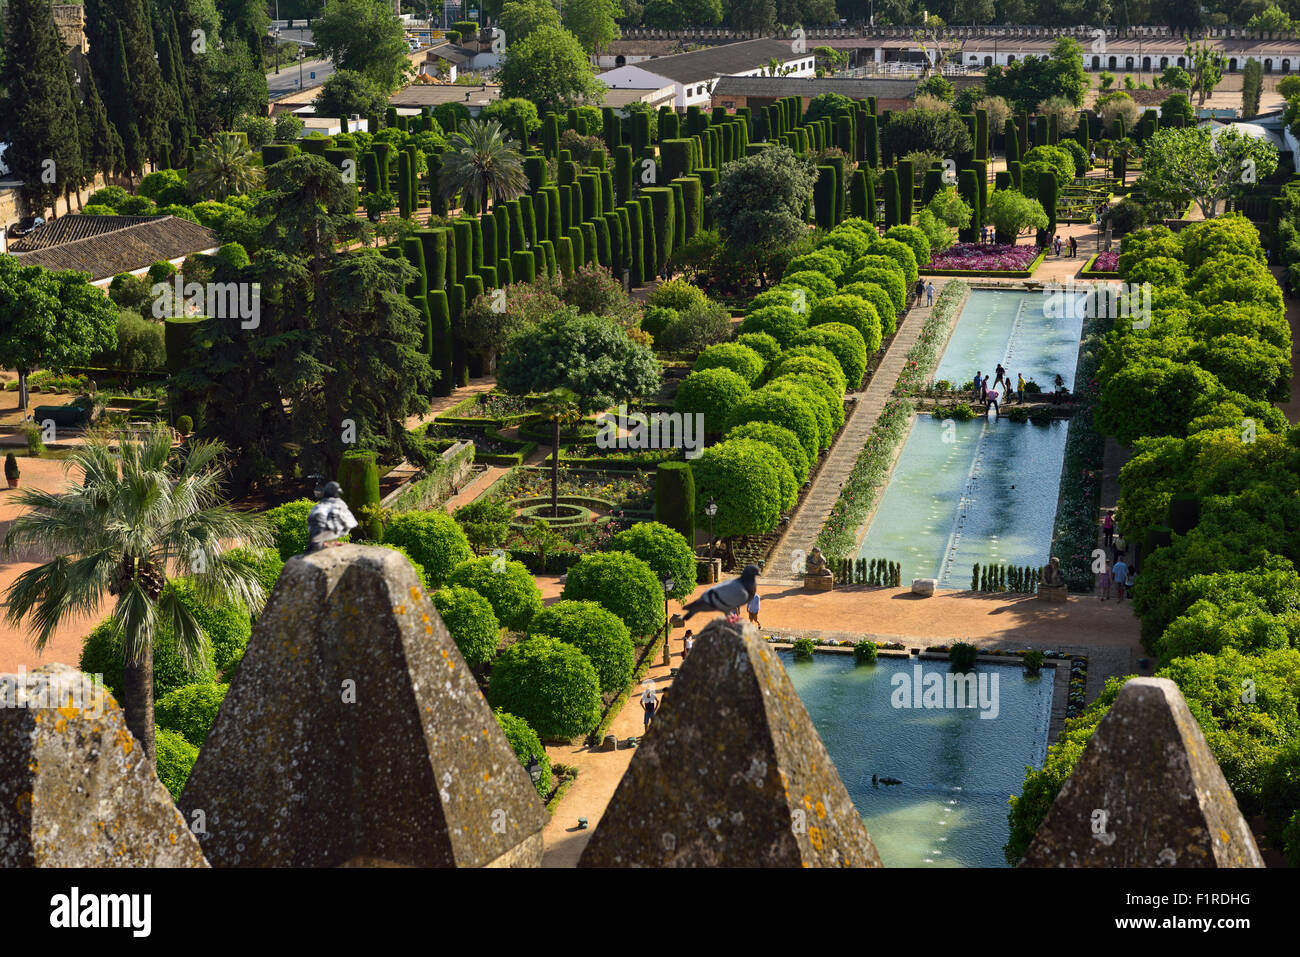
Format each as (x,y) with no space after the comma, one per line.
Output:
(329,520)
(726,596)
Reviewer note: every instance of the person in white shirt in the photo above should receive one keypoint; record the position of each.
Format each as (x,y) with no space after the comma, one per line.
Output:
(649,703)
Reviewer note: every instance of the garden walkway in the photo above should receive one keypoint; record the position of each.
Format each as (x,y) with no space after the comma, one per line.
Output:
(807,522)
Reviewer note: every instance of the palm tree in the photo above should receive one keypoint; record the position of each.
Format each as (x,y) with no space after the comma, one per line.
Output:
(140,512)
(481,162)
(559,406)
(223,166)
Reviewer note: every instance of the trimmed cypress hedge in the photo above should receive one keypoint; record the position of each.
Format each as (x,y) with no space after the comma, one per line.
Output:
(693,200)
(489,274)
(614,236)
(630,214)
(516,219)
(441,345)
(464,234)
(679,215)
(906,179)
(1047,197)
(588,243)
(661,199)
(601,229)
(889,186)
(535,170)
(359,479)
(675,497)
(564,256)
(969,189)
(434,242)
(272,153)
(824,197)
(678,157)
(589,188)
(523,265)
(548,254)
(578,243)
(650,262)
(623,173)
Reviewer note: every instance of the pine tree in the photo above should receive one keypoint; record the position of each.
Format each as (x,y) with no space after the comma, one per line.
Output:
(39,117)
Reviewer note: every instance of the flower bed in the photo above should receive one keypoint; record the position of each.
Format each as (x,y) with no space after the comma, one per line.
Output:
(490,448)
(623,491)
(924,354)
(487,410)
(1102,265)
(979,259)
(839,537)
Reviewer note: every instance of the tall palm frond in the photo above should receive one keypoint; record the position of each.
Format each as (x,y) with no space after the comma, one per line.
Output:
(141,513)
(224,167)
(481,161)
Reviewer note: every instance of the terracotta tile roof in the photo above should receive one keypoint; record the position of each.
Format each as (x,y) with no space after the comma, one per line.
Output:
(104,246)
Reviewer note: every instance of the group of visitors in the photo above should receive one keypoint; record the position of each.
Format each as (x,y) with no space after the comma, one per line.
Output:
(926,289)
(1057,243)
(989,394)
(1115,570)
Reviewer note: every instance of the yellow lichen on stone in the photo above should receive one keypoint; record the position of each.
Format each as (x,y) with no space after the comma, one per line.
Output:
(125,741)
(415,593)
(24,803)
(821,809)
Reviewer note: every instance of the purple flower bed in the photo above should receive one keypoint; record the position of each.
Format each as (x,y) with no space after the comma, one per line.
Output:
(1106,262)
(985,258)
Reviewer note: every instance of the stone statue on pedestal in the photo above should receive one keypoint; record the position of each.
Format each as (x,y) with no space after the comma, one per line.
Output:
(817,573)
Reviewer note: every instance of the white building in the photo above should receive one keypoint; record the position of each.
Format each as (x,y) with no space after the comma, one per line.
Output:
(687,79)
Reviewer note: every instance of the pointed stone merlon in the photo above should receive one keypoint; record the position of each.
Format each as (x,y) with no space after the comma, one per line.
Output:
(1146,792)
(731,773)
(355,734)
(76,789)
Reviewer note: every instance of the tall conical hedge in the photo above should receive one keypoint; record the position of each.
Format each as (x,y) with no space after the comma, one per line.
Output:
(359,479)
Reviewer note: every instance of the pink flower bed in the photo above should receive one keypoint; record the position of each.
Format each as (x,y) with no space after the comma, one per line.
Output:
(984,257)
(1106,262)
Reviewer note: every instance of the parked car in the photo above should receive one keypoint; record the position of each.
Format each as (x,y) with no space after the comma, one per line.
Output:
(26,225)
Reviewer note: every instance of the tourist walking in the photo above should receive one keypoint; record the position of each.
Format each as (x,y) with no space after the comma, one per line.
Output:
(984,234)
(1056,245)
(999,374)
(1103,581)
(688,642)
(1130,581)
(752,608)
(649,702)
(1120,571)
(1074,247)
(1020,388)
(979,395)
(920,289)
(1108,527)
(991,399)
(929,293)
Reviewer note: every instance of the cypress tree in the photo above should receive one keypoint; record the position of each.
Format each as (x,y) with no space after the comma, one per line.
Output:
(906,181)
(871,142)
(40,120)
(889,186)
(121,112)
(981,134)
(1011,140)
(968,187)
(101,147)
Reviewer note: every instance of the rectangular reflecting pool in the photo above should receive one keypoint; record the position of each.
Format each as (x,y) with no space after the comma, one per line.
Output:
(957,768)
(985,490)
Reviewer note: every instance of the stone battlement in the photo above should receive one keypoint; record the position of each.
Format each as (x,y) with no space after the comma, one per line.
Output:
(354,734)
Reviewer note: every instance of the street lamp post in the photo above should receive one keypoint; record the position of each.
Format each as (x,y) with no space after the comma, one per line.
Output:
(668,587)
(302,55)
(710,510)
(275,35)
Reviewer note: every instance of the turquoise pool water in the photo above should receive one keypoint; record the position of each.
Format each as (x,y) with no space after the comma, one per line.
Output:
(958,769)
(981,491)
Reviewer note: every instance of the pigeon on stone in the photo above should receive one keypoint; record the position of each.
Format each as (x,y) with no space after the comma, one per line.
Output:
(727,596)
(329,520)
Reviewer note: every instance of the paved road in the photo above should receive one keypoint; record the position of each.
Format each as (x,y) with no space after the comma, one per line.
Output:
(287,80)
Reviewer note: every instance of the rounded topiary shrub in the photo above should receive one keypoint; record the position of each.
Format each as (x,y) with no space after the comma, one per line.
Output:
(781,439)
(772,297)
(822,261)
(549,684)
(845,343)
(508,586)
(782,323)
(889,280)
(827,366)
(470,620)
(817,285)
(677,294)
(625,585)
(190,710)
(665,550)
(916,240)
(432,539)
(803,394)
(875,294)
(289,526)
(850,242)
(765,406)
(227,628)
(595,630)
(176,758)
(102,654)
(766,346)
(742,476)
(900,252)
(742,360)
(712,393)
(852,311)
(526,745)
